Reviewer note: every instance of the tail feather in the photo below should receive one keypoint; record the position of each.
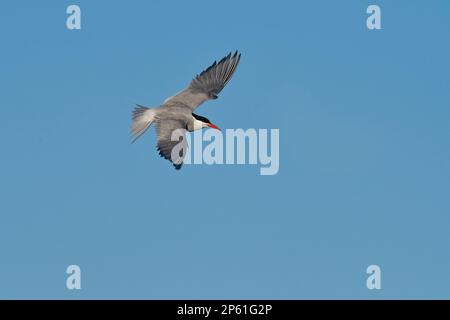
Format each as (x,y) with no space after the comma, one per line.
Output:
(142,118)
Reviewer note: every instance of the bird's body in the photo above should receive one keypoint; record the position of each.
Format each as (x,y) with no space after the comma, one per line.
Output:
(176,113)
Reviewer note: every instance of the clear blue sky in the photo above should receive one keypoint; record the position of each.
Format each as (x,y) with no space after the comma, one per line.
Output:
(364,151)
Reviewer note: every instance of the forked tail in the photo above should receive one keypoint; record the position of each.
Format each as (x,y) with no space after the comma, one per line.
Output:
(142,118)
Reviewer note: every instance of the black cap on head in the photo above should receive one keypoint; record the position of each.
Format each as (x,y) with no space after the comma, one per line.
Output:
(200,118)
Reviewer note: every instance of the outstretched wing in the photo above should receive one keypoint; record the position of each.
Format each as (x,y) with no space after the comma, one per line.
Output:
(208,84)
(172,145)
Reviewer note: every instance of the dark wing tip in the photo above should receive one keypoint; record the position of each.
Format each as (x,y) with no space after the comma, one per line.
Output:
(213,79)
(178,166)
(206,70)
(165,156)
(229,56)
(161,154)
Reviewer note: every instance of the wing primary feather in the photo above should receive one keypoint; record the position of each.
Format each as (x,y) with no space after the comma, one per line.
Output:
(209,83)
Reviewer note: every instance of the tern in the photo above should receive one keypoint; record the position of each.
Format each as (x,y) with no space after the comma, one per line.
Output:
(177,112)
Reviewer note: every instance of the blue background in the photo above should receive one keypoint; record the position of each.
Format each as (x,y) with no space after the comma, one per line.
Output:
(364,151)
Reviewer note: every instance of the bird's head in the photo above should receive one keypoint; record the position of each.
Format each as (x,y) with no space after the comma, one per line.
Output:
(205,122)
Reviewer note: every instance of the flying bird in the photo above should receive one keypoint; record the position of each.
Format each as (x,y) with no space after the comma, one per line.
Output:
(176,114)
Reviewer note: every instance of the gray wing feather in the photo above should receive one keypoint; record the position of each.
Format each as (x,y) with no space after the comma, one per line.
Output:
(209,83)
(164,130)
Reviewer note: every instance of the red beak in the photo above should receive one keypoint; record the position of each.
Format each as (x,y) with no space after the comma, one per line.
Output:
(213,126)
